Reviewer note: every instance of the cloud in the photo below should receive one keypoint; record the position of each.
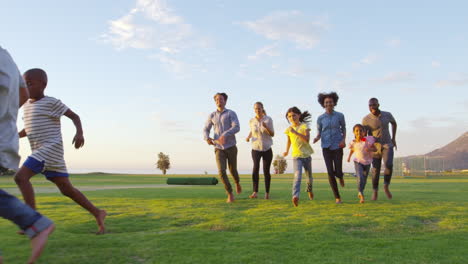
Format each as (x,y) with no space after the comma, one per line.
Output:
(290,26)
(394,77)
(452,83)
(395,42)
(151,24)
(178,67)
(436,122)
(368,60)
(435,64)
(293,68)
(267,51)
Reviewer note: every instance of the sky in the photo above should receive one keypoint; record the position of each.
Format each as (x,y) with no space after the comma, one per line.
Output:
(141,74)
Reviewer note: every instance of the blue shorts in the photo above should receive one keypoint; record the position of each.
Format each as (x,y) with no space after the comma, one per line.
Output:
(38,167)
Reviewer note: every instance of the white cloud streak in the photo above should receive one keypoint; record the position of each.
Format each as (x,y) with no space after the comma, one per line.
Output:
(452,83)
(267,51)
(396,42)
(150,25)
(290,26)
(394,77)
(435,64)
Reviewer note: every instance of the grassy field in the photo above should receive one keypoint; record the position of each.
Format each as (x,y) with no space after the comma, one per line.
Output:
(426,222)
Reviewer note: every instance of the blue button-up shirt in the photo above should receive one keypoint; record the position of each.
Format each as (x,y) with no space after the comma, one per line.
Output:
(331,128)
(225,124)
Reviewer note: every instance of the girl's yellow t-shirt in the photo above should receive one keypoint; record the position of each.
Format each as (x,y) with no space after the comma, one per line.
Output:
(300,148)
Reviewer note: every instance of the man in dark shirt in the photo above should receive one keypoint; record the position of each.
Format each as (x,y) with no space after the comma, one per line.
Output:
(377,125)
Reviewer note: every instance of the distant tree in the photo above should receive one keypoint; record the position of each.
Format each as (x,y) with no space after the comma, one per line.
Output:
(280,164)
(163,162)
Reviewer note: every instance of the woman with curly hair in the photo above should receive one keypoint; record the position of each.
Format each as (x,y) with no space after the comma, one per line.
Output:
(331,129)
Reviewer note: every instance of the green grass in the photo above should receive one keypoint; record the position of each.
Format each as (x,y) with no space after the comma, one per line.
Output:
(426,222)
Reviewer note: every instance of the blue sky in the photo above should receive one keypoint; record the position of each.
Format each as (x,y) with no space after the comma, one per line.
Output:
(141,74)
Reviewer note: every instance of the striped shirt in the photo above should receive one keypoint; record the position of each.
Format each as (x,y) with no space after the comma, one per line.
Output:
(42,126)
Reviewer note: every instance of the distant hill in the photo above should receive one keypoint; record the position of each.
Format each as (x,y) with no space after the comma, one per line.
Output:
(455,154)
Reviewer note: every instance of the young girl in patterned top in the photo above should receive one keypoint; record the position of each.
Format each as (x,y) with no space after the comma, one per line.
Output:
(298,137)
(362,147)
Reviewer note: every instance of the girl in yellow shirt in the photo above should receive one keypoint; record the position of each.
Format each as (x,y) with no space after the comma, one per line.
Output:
(298,137)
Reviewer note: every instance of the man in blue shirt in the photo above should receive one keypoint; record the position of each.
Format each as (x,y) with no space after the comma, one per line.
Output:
(226,125)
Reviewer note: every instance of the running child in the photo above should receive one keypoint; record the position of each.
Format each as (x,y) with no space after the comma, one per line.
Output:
(298,137)
(42,127)
(362,147)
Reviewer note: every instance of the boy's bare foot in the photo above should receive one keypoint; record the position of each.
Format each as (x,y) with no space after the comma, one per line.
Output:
(311,195)
(374,196)
(238,188)
(295,201)
(341,181)
(230,198)
(100,221)
(38,243)
(387,192)
(338,201)
(253,195)
(267,196)
(361,197)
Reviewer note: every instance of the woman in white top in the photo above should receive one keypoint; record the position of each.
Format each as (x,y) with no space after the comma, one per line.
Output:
(261,133)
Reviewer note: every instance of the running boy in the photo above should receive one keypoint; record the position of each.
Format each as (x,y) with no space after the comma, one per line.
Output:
(42,127)
(363,148)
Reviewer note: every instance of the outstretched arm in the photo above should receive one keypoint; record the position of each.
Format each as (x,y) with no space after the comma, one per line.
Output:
(78,139)
(350,154)
(23,95)
(22,133)
(319,131)
(288,145)
(394,129)
(343,131)
(249,136)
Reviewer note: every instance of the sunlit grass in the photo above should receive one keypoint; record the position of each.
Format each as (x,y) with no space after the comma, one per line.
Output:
(425,223)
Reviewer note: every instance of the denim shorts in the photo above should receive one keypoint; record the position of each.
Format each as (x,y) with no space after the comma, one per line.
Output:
(38,167)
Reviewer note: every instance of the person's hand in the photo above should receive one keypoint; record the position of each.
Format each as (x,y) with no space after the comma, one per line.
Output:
(247,139)
(394,143)
(78,141)
(349,158)
(285,154)
(264,124)
(210,141)
(342,144)
(316,139)
(292,130)
(221,140)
